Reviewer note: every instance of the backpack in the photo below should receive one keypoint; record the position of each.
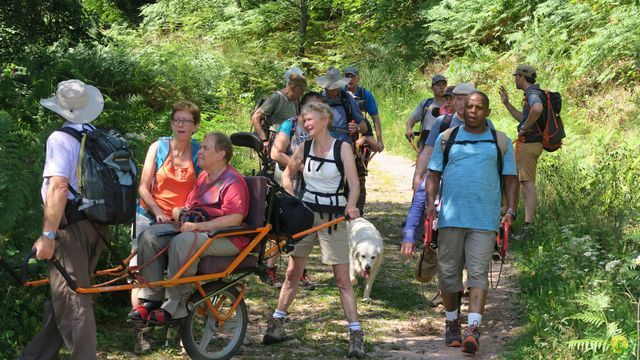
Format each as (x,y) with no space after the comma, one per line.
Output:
(346,105)
(290,216)
(163,152)
(343,187)
(449,139)
(267,120)
(550,123)
(361,100)
(425,107)
(106,177)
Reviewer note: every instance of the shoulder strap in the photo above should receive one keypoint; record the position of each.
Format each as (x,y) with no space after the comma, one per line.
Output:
(499,152)
(294,127)
(448,139)
(337,156)
(162,152)
(425,106)
(195,147)
(307,150)
(446,122)
(77,134)
(346,105)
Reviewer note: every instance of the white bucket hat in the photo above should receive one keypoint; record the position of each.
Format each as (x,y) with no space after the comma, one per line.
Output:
(76,101)
(332,80)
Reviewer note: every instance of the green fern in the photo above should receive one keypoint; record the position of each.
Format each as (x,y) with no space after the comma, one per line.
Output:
(597,345)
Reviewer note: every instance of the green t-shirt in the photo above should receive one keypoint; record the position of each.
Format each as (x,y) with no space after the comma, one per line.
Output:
(278,108)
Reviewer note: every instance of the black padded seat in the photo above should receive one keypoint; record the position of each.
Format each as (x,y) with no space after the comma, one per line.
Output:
(257,207)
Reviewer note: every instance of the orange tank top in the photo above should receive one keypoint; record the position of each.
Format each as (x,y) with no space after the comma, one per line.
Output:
(172,185)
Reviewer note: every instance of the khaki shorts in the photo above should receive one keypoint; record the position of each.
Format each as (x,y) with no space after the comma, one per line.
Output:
(334,247)
(527,155)
(460,246)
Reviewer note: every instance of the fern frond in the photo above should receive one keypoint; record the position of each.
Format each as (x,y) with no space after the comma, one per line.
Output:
(589,344)
(593,318)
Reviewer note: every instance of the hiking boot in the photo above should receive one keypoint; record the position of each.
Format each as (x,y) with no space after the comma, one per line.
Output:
(141,335)
(275,331)
(271,277)
(452,333)
(471,342)
(305,281)
(526,233)
(356,344)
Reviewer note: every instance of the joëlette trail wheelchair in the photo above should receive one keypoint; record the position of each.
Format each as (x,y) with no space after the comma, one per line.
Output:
(217,313)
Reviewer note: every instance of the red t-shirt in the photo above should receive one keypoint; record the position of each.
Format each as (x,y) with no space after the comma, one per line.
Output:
(228,194)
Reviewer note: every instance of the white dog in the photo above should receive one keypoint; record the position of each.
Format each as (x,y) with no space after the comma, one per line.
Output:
(365,250)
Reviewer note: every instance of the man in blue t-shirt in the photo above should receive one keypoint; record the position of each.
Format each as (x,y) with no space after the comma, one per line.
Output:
(469,217)
(367,105)
(529,145)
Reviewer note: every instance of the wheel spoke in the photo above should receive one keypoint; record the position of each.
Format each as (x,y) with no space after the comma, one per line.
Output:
(207,335)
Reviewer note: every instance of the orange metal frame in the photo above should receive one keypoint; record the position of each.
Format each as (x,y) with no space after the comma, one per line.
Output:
(123,271)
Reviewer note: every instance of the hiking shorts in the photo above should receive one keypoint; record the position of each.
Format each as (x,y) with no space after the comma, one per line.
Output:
(460,246)
(334,247)
(527,155)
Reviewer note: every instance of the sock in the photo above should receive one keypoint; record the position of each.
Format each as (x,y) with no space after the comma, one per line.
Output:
(474,319)
(451,315)
(354,326)
(278,314)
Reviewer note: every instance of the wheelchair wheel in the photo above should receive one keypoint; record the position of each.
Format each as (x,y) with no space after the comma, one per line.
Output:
(202,335)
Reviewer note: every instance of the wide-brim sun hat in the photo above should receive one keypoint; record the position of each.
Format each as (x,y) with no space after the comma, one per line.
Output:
(75,101)
(332,80)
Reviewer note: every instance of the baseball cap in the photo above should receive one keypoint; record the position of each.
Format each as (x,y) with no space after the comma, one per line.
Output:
(463,89)
(449,90)
(525,70)
(351,70)
(437,78)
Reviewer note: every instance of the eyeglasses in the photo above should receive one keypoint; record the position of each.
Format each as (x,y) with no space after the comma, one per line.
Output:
(181,121)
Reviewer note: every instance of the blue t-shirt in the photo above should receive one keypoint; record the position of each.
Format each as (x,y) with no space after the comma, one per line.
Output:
(470,182)
(370,105)
(299,136)
(340,117)
(455,121)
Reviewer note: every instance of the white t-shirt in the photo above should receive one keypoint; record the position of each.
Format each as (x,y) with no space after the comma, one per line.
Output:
(63,151)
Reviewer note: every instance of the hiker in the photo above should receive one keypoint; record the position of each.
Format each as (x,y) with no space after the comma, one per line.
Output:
(290,71)
(67,235)
(456,95)
(460,93)
(281,105)
(367,105)
(347,119)
(423,113)
(469,217)
(323,192)
(289,136)
(529,144)
(169,173)
(218,200)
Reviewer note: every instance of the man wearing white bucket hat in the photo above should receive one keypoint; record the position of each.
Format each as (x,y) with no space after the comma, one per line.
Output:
(72,240)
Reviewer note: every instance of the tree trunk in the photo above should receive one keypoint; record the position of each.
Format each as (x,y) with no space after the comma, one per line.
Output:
(302,31)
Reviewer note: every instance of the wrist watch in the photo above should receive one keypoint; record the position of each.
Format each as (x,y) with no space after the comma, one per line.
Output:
(513,213)
(51,235)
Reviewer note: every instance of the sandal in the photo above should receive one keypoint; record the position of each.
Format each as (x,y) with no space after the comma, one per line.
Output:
(143,311)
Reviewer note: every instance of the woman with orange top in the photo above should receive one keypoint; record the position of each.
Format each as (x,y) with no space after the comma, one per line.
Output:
(168,175)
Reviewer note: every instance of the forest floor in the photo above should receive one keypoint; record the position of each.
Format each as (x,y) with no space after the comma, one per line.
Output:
(398,323)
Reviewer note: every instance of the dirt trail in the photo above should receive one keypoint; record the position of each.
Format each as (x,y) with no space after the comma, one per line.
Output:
(389,185)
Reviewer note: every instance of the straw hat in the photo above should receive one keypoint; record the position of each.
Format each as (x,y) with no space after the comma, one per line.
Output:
(332,80)
(76,101)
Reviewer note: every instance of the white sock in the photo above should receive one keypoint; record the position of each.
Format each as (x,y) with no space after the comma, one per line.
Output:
(474,319)
(451,315)
(279,314)
(354,326)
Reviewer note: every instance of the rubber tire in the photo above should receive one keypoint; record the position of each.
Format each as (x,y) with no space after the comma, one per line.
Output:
(194,321)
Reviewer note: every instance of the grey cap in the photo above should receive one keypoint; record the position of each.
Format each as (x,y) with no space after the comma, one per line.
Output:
(351,70)
(463,89)
(437,78)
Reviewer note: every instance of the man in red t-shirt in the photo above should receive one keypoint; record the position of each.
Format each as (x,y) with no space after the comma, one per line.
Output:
(221,196)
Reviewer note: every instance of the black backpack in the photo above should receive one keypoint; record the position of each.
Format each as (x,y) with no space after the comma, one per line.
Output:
(290,216)
(106,177)
(550,123)
(346,105)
